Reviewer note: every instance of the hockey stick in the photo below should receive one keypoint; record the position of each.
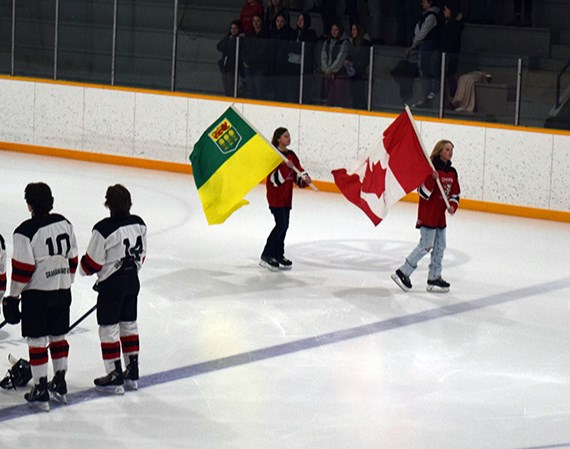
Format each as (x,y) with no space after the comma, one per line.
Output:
(85,315)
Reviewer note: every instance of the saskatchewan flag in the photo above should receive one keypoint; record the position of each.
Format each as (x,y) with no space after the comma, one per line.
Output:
(228,161)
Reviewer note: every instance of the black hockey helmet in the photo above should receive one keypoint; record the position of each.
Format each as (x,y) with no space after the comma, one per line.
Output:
(38,196)
(17,376)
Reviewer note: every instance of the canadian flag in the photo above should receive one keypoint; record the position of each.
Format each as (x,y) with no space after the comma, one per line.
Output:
(391,168)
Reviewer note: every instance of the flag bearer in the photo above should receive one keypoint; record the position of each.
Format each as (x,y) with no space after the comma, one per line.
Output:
(280,198)
(431,220)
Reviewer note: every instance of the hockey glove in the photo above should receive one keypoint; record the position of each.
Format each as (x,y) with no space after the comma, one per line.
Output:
(11,309)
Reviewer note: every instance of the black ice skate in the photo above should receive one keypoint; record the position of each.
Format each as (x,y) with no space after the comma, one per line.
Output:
(39,395)
(57,387)
(402,280)
(269,262)
(284,263)
(113,382)
(131,374)
(438,285)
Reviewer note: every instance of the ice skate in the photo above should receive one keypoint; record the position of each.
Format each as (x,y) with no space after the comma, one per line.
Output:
(284,263)
(112,383)
(402,280)
(131,374)
(57,387)
(39,395)
(269,262)
(438,285)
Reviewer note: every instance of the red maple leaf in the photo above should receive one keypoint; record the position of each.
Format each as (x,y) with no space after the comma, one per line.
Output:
(374,179)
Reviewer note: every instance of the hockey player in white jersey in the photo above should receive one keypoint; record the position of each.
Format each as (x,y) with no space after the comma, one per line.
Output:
(2,267)
(116,252)
(44,261)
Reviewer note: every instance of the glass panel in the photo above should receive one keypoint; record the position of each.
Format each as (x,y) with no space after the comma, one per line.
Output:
(543,104)
(334,89)
(5,36)
(395,80)
(197,67)
(35,37)
(144,43)
(85,40)
(484,89)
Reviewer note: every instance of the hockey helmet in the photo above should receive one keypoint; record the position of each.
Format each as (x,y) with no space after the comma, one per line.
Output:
(17,376)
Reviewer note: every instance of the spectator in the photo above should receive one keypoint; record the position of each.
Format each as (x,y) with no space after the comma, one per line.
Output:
(335,79)
(255,60)
(227,46)
(426,39)
(356,66)
(464,98)
(303,33)
(249,9)
(450,41)
(283,34)
(275,8)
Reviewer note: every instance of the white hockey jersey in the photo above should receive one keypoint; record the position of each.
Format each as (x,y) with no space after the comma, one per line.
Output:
(44,255)
(2,267)
(114,241)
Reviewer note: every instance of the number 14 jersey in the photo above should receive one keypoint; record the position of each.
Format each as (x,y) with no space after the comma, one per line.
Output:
(115,241)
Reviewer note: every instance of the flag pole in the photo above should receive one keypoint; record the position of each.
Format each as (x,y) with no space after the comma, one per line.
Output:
(438,182)
(271,145)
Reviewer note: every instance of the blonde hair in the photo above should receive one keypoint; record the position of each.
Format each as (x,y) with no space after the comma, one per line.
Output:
(439,147)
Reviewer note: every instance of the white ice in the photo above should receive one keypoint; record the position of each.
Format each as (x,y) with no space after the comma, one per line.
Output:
(329,355)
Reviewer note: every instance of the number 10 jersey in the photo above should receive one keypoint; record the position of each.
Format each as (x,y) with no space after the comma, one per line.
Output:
(44,255)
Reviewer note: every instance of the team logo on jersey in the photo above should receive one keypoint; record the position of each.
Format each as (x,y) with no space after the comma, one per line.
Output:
(226,137)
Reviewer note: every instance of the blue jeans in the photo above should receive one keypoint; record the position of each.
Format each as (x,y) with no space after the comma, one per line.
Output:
(430,240)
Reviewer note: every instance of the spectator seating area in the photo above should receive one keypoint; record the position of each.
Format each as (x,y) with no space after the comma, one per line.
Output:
(494,48)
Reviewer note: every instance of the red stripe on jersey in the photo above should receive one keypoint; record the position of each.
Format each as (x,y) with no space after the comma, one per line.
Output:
(38,356)
(130,343)
(22,272)
(111,351)
(3,282)
(73,264)
(59,349)
(89,266)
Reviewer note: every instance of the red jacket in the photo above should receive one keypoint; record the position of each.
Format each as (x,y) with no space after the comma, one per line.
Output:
(280,182)
(431,209)
(247,13)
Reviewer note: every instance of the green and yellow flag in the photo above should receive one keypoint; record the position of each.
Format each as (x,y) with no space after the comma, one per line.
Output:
(229,160)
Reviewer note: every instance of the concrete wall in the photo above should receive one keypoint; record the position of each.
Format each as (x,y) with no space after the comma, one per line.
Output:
(496,164)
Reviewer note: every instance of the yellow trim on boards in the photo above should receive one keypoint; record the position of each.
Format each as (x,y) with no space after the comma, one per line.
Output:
(325,186)
(476,205)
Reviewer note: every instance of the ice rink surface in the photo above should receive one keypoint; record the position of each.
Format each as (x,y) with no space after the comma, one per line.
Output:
(330,355)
